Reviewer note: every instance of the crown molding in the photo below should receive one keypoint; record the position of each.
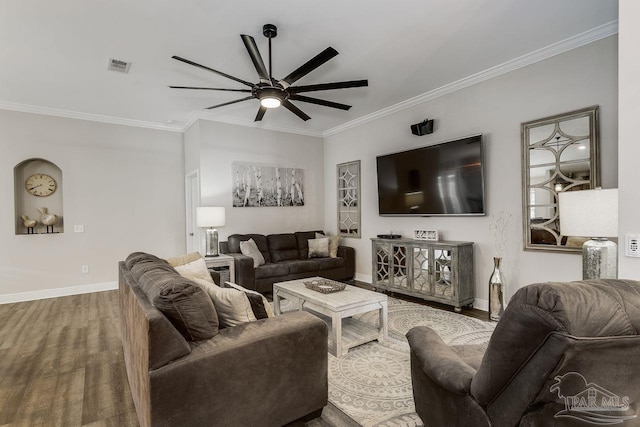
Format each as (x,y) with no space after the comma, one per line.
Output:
(249,123)
(562,46)
(24,108)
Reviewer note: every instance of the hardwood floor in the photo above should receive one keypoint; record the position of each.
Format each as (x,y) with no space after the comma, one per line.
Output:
(61,364)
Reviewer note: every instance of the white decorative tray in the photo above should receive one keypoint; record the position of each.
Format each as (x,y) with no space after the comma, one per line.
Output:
(324,286)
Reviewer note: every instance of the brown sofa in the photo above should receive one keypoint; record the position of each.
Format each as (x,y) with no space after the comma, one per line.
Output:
(286,258)
(264,373)
(563,354)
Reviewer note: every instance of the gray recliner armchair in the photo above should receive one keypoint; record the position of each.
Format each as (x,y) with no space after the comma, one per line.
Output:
(563,354)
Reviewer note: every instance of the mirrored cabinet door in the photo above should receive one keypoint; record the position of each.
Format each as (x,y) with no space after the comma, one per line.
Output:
(560,153)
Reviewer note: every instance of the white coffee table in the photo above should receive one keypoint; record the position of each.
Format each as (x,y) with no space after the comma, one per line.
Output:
(337,308)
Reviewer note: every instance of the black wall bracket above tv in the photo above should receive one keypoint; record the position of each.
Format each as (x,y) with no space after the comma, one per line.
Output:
(422,128)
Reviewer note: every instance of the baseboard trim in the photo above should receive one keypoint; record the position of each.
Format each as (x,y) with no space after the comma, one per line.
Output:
(481,304)
(57,292)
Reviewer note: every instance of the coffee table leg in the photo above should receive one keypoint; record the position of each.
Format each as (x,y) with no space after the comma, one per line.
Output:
(384,327)
(336,328)
(276,303)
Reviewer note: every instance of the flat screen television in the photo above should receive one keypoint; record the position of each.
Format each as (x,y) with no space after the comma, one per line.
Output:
(445,179)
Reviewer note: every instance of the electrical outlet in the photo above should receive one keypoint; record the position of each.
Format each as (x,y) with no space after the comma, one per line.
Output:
(632,246)
(78,228)
(85,269)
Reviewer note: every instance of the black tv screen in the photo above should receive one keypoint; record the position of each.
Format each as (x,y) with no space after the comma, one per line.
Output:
(443,179)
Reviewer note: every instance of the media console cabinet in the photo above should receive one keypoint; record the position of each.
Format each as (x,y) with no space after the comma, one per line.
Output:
(439,271)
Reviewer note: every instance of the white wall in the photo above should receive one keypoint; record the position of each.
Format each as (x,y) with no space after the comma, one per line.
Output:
(124,184)
(629,148)
(579,78)
(222,144)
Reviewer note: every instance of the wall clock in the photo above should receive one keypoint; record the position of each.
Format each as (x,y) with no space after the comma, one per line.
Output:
(41,185)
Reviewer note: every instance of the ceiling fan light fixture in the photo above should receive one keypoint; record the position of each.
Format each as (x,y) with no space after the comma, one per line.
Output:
(271,98)
(270,102)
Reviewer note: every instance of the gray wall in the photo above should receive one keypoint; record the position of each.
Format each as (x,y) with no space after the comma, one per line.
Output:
(629,203)
(220,144)
(124,184)
(579,78)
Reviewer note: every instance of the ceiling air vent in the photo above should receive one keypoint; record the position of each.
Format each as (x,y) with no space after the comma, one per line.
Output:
(118,65)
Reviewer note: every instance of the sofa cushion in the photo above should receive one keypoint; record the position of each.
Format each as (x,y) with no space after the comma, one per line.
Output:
(334,242)
(188,308)
(233,244)
(191,266)
(303,246)
(318,248)
(328,263)
(271,270)
(259,304)
(232,306)
(250,249)
(301,266)
(139,263)
(283,247)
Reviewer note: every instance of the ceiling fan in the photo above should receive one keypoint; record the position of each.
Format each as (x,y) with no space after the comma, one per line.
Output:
(271,92)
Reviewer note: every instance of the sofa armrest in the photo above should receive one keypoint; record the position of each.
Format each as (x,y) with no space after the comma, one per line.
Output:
(349,255)
(274,369)
(244,271)
(439,362)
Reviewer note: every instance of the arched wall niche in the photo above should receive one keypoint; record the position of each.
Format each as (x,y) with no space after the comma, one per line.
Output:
(29,204)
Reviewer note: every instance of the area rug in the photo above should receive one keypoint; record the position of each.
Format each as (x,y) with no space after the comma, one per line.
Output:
(372,382)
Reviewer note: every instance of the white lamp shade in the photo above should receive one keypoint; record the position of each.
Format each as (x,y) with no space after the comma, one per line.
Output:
(210,216)
(589,213)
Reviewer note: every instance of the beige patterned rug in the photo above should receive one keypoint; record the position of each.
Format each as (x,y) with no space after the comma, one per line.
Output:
(372,383)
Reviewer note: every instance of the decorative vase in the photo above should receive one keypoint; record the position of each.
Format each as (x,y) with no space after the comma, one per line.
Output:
(496,291)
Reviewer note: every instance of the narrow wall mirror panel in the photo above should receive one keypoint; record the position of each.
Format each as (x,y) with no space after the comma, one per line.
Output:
(349,199)
(559,153)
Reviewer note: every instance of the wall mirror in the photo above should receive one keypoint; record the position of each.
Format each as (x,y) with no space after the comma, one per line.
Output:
(559,153)
(349,199)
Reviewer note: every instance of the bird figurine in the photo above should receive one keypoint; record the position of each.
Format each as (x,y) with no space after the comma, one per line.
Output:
(47,219)
(29,223)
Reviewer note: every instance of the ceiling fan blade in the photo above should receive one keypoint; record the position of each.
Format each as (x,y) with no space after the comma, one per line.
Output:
(320,102)
(310,65)
(328,86)
(230,102)
(210,88)
(260,114)
(254,53)
(295,110)
(186,61)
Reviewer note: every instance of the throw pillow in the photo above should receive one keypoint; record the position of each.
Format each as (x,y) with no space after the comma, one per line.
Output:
(233,306)
(249,248)
(189,309)
(191,266)
(318,247)
(259,304)
(334,242)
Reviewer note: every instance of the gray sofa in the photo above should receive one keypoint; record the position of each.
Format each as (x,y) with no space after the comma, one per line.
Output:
(268,372)
(562,354)
(286,258)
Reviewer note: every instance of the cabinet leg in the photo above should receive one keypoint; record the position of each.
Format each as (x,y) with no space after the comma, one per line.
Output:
(457,309)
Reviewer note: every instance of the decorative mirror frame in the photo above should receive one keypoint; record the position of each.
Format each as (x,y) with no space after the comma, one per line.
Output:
(563,140)
(348,211)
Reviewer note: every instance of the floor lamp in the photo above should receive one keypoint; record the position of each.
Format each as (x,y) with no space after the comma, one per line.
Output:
(209,217)
(594,214)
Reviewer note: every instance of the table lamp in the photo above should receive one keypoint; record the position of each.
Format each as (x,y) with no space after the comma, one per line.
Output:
(593,214)
(209,217)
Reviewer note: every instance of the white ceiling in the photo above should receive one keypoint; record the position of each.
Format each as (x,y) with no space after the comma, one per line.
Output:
(54,54)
